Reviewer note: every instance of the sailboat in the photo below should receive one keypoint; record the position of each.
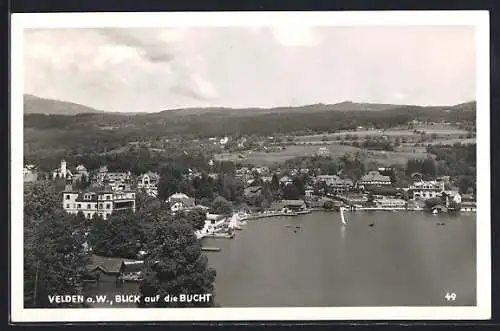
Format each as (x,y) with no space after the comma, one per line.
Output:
(234,223)
(342,219)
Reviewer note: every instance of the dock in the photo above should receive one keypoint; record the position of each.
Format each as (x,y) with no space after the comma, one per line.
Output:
(220,235)
(210,249)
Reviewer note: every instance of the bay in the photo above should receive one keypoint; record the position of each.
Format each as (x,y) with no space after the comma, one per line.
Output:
(405,259)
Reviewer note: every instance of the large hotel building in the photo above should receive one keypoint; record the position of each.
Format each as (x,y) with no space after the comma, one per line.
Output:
(102,202)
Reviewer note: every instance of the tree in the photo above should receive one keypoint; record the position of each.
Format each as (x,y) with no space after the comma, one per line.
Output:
(290,192)
(170,178)
(432,202)
(299,185)
(195,217)
(83,183)
(203,187)
(144,201)
(121,235)
(329,205)
(429,168)
(275,183)
(54,256)
(221,206)
(175,266)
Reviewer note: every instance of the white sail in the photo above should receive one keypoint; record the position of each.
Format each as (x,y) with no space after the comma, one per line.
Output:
(342,219)
(233,222)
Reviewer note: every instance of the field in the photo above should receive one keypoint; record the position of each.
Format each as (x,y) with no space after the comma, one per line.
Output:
(336,151)
(440,130)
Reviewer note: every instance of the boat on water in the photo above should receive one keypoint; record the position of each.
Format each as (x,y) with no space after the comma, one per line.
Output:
(342,217)
(235,222)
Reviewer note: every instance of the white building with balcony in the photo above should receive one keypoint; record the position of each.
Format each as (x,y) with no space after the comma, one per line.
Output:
(426,189)
(102,203)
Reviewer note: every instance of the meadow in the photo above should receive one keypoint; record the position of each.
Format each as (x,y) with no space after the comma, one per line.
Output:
(336,151)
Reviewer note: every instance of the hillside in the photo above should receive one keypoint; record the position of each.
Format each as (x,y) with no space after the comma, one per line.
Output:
(466,106)
(37,105)
(319,107)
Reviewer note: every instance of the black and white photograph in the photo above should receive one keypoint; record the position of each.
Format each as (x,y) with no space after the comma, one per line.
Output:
(250,166)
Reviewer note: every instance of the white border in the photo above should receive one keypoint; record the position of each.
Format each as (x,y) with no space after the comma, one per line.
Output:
(479,19)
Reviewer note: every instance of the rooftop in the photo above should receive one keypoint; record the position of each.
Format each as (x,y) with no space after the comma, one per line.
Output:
(108,264)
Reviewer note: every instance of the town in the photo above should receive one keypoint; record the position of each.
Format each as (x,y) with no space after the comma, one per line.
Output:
(262,189)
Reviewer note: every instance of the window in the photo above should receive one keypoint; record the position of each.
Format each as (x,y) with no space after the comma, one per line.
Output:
(67,197)
(100,206)
(79,206)
(108,206)
(67,205)
(108,197)
(88,206)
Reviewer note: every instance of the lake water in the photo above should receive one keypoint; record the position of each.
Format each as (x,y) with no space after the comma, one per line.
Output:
(404,260)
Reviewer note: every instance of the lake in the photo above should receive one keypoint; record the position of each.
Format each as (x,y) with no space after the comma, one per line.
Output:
(405,259)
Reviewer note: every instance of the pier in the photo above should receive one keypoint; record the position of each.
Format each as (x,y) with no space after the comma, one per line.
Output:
(210,249)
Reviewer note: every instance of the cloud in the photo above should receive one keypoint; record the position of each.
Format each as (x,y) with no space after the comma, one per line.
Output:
(164,47)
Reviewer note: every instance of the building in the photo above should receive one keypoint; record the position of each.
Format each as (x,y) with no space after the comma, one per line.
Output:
(80,173)
(323,152)
(468,206)
(309,194)
(390,203)
(101,202)
(117,181)
(353,199)
(62,172)
(335,183)
(374,178)
(426,189)
(304,171)
(113,276)
(30,174)
(285,180)
(149,183)
(180,201)
(294,205)
(266,179)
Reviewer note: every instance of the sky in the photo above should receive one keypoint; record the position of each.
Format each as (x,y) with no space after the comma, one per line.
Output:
(152,69)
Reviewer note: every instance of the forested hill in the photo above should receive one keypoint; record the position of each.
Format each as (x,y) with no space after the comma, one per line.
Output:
(247,122)
(37,105)
(319,107)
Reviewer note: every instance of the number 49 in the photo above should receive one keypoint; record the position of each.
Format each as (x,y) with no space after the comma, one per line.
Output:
(450,296)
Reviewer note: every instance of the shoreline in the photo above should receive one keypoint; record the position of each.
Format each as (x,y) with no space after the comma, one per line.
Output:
(362,209)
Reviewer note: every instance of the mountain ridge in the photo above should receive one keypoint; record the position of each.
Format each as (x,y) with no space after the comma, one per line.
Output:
(37,105)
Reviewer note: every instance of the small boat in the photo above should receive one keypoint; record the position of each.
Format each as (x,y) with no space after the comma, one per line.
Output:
(297,227)
(342,219)
(371,224)
(440,223)
(288,226)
